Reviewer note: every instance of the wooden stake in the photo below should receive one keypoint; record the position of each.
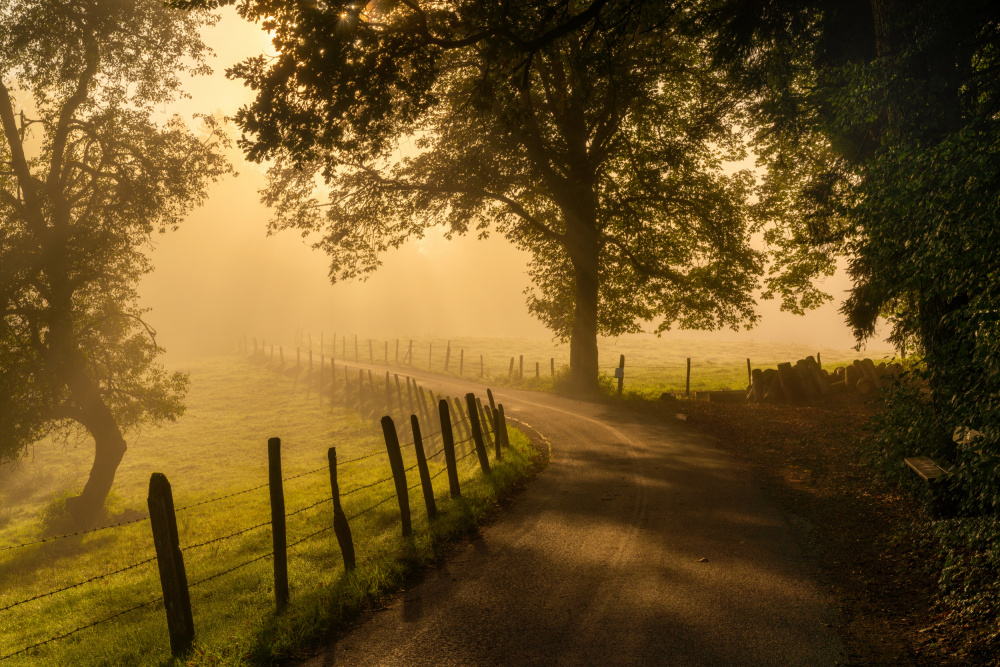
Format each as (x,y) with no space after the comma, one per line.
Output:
(477,433)
(340,526)
(447,357)
(621,373)
(503,425)
(278,539)
(425,476)
(749,372)
(398,472)
(520,367)
(448,440)
(170,561)
(510,371)
(461,362)
(687,385)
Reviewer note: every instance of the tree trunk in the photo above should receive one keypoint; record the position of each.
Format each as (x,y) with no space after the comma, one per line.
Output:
(584,252)
(109,448)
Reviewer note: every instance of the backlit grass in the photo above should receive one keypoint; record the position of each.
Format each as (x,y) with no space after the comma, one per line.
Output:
(652,365)
(218,448)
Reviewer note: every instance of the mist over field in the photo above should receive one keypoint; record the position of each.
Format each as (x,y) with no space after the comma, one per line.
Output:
(220,275)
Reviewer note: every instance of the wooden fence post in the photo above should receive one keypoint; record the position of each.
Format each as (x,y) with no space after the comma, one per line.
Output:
(448,442)
(537,371)
(447,357)
(333,379)
(398,472)
(477,433)
(399,392)
(497,436)
(409,352)
(371,385)
(510,371)
(425,475)
(463,424)
(484,422)
(170,561)
(430,354)
(621,373)
(388,395)
(278,538)
(503,425)
(340,526)
(493,403)
(749,372)
(461,362)
(819,360)
(520,367)
(482,367)
(552,366)
(409,395)
(281,355)
(687,385)
(371,352)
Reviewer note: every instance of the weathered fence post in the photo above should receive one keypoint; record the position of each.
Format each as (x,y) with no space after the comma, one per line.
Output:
(278,538)
(340,526)
(371,385)
(398,472)
(173,580)
(552,366)
(425,475)
(409,353)
(448,442)
(819,360)
(537,371)
(493,403)
(461,362)
(477,433)
(409,394)
(621,373)
(503,425)
(497,435)
(333,379)
(687,385)
(463,424)
(749,372)
(486,423)
(520,367)
(447,357)
(399,392)
(510,371)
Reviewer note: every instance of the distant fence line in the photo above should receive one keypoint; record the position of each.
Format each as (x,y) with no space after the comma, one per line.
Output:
(475,429)
(400,353)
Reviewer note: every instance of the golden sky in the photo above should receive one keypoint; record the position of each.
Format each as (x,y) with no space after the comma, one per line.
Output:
(220,275)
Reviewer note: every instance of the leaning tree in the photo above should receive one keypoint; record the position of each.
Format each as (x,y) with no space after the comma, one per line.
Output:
(91,168)
(592,135)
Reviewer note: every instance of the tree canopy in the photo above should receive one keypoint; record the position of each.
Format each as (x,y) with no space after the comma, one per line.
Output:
(593,135)
(880,122)
(90,171)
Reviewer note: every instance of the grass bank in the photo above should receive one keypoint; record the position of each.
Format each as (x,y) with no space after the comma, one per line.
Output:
(217,449)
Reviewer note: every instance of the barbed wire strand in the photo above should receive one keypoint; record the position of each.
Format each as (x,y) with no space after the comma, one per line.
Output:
(232,569)
(365,511)
(366,486)
(215,500)
(78,584)
(225,537)
(80,532)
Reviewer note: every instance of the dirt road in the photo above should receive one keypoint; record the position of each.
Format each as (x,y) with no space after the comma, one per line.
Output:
(641,543)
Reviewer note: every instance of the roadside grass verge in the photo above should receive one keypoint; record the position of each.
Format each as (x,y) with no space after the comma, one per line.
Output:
(219,448)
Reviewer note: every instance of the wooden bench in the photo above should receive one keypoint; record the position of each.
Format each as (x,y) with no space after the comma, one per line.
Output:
(927,467)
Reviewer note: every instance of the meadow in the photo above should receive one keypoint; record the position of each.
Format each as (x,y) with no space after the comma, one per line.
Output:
(219,449)
(652,365)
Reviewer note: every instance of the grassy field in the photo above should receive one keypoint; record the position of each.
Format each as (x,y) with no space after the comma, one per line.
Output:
(652,365)
(219,448)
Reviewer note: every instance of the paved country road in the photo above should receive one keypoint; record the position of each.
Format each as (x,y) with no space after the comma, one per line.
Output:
(641,543)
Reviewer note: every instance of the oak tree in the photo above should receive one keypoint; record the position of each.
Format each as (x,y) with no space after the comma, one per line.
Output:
(90,169)
(594,135)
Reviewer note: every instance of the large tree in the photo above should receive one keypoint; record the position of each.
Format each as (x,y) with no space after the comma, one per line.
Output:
(90,169)
(881,120)
(594,135)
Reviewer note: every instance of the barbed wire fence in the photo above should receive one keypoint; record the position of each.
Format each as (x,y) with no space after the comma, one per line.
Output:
(478,426)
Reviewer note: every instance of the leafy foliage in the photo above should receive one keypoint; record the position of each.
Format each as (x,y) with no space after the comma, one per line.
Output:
(91,170)
(594,136)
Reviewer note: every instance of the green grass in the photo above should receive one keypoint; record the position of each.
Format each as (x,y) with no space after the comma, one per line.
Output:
(652,365)
(219,447)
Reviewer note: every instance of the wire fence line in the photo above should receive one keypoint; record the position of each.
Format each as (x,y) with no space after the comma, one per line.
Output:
(77,533)
(457,421)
